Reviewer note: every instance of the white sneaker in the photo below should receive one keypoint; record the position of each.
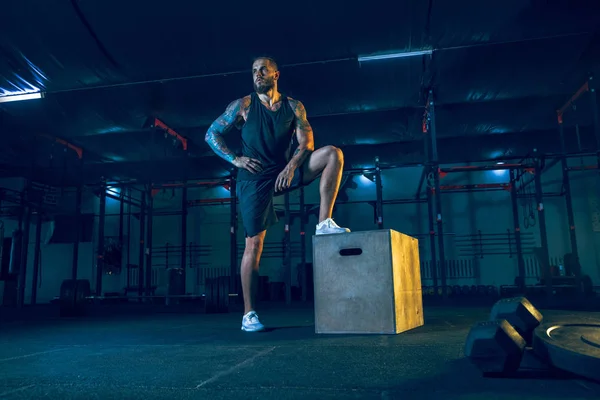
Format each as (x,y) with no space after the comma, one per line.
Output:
(328,226)
(251,323)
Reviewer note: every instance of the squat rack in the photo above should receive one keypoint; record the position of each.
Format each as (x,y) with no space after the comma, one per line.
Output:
(588,88)
(433,170)
(434,202)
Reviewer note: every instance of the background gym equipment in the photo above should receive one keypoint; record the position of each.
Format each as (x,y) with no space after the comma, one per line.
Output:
(217,295)
(76,297)
(570,346)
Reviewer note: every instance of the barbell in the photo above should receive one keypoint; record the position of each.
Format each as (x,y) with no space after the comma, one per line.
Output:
(76,295)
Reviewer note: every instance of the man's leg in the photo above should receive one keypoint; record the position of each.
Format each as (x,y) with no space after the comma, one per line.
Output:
(258,213)
(328,162)
(249,269)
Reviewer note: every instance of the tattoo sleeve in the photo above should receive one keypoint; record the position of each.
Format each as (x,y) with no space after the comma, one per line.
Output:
(226,121)
(304,134)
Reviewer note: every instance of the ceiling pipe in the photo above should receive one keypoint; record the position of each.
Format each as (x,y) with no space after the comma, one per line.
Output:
(300,64)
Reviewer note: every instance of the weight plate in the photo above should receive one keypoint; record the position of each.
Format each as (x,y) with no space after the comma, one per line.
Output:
(572,346)
(74,297)
(223,294)
(211,298)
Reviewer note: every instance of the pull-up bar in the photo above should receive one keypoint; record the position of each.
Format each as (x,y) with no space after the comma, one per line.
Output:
(469,168)
(477,187)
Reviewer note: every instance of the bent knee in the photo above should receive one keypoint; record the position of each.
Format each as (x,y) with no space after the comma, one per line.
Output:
(335,153)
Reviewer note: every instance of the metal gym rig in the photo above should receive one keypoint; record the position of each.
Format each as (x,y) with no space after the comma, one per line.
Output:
(75,292)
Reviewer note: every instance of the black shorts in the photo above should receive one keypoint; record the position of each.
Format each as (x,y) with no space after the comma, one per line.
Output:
(257,208)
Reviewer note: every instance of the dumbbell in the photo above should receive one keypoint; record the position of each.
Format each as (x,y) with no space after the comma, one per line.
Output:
(497,346)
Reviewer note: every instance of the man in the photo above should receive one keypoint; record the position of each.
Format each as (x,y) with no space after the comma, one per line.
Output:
(269,121)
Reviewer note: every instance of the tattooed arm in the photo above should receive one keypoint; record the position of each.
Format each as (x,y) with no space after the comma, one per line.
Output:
(233,116)
(304,134)
(214,136)
(306,145)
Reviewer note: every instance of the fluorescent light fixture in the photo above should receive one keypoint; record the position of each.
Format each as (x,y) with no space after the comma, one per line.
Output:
(19,97)
(115,191)
(394,55)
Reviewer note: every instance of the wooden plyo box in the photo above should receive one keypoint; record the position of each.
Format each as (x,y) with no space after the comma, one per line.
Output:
(367,282)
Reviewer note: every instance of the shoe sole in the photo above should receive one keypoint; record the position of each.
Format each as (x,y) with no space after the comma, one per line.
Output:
(253,330)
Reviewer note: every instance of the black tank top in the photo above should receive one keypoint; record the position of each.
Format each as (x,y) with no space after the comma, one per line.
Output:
(267,136)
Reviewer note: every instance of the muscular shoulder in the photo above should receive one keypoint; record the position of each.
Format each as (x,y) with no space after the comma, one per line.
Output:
(298,107)
(239,105)
(238,108)
(245,101)
(301,120)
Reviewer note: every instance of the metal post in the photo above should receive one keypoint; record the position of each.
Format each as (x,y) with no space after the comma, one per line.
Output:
(22,279)
(431,218)
(303,271)
(100,255)
(287,248)
(517,228)
(567,188)
(423,175)
(77,230)
(36,255)
(128,237)
(569,202)
(429,192)
(25,203)
(379,190)
(142,245)
(438,199)
(595,123)
(121,222)
(184,214)
(543,230)
(440,233)
(149,242)
(233,257)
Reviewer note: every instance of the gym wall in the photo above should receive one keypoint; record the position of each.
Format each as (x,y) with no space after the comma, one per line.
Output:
(472,213)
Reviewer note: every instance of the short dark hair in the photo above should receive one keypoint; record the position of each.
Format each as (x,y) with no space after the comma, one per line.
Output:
(270,59)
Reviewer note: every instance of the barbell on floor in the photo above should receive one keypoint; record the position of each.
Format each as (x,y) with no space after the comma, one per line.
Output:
(217,295)
(75,295)
(153,296)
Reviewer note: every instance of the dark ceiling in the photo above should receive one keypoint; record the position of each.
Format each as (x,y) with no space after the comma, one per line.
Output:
(499,71)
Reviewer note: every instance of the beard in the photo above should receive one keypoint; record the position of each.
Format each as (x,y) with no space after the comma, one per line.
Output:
(264,86)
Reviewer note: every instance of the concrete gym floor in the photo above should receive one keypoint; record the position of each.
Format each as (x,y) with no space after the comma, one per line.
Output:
(126,352)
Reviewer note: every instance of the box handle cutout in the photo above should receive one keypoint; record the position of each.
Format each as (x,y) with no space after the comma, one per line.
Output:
(351,252)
